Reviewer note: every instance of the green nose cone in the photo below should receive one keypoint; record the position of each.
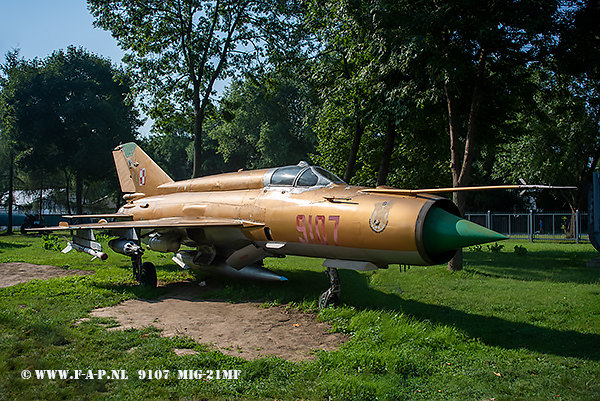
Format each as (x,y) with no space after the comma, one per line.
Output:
(444,232)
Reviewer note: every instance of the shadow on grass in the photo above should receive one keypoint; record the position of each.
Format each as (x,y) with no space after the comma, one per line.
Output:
(555,266)
(12,245)
(304,285)
(301,285)
(490,330)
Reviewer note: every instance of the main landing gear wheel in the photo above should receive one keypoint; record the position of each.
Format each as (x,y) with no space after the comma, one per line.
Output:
(332,295)
(144,273)
(148,275)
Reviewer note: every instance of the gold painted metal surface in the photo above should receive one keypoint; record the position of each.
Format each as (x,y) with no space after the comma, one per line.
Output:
(223,214)
(252,179)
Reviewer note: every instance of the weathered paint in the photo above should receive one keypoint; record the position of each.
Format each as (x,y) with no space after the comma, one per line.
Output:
(228,215)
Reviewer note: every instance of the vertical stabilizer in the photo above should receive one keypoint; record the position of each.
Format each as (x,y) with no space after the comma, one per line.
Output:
(137,171)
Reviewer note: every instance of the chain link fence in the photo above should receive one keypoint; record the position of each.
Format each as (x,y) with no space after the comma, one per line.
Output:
(547,226)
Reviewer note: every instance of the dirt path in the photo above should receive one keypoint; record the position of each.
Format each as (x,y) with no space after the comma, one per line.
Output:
(18,272)
(246,330)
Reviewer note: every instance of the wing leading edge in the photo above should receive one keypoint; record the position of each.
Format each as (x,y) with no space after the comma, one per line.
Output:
(397,191)
(170,222)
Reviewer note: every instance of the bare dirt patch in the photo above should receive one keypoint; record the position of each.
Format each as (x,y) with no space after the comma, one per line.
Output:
(18,272)
(246,330)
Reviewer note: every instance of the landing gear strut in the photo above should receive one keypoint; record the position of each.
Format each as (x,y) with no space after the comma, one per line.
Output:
(331,296)
(129,245)
(144,273)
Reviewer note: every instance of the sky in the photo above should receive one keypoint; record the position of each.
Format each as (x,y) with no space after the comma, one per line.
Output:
(39,27)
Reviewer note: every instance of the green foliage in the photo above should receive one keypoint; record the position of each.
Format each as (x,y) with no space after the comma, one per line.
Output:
(506,327)
(396,63)
(560,146)
(177,50)
(263,124)
(66,107)
(520,250)
(103,238)
(476,248)
(495,248)
(50,243)
(60,111)
(172,151)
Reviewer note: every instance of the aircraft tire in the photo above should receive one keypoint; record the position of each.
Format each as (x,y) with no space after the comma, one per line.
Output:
(148,275)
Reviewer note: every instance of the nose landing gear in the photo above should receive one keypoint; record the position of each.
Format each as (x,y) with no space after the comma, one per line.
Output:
(331,296)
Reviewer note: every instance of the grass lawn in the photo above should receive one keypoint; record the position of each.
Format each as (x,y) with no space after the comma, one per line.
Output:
(509,326)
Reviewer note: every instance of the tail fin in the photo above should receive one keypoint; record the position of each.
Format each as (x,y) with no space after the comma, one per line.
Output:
(137,171)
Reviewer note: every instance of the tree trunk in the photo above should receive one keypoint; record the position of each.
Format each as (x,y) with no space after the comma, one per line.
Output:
(79,192)
(359,129)
(197,167)
(461,170)
(68,191)
(41,198)
(384,167)
(200,108)
(10,194)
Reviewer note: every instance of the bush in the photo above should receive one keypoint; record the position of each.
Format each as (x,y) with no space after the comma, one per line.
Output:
(520,250)
(495,248)
(50,243)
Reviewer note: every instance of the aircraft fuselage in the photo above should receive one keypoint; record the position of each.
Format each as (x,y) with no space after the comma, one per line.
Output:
(336,221)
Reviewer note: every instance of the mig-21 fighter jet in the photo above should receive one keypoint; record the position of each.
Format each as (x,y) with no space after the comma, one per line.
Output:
(228,223)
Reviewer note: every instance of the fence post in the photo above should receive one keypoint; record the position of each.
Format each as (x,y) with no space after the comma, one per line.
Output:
(530,225)
(577,226)
(488,218)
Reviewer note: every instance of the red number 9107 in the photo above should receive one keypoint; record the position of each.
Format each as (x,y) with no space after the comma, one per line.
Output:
(313,228)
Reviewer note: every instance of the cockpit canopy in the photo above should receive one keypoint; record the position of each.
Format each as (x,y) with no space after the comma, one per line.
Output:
(303,175)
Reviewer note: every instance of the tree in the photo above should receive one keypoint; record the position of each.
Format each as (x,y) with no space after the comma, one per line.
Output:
(178,49)
(475,53)
(368,100)
(22,88)
(577,53)
(172,152)
(562,145)
(264,124)
(469,56)
(66,113)
(341,53)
